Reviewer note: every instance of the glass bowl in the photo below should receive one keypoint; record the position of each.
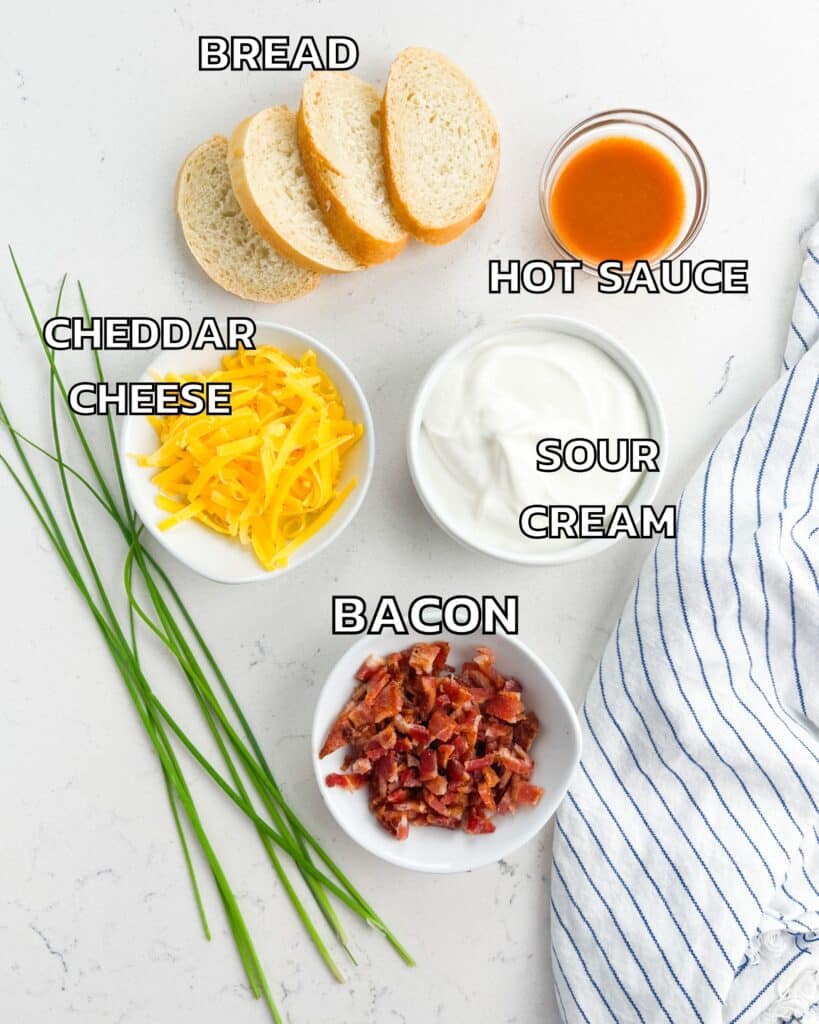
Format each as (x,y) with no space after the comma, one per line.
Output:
(665,136)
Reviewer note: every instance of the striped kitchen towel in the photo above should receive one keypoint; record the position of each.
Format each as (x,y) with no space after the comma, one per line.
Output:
(685,884)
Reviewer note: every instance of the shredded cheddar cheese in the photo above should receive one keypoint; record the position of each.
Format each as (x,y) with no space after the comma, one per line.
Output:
(267,474)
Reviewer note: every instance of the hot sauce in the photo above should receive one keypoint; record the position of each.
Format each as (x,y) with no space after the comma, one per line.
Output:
(618,198)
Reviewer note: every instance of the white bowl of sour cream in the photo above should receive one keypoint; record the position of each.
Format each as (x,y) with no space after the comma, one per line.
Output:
(497,408)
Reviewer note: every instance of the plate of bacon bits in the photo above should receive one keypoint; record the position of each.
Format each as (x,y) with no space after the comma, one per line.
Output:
(443,754)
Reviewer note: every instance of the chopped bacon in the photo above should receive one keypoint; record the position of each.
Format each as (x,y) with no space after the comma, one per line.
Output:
(360,715)
(487,799)
(500,731)
(398,824)
(440,821)
(369,667)
(477,825)
(526,730)
(528,794)
(335,738)
(428,687)
(506,705)
(509,800)
(507,805)
(484,657)
(436,747)
(458,695)
(442,701)
(376,684)
(485,660)
(410,806)
(386,767)
(475,676)
(428,768)
(443,654)
(437,805)
(422,658)
(395,661)
(350,781)
(481,694)
(441,726)
(518,765)
(385,739)
(388,702)
(461,746)
(418,733)
(437,785)
(444,753)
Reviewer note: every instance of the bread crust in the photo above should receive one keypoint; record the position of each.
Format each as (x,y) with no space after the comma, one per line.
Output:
(367,248)
(430,233)
(228,282)
(250,208)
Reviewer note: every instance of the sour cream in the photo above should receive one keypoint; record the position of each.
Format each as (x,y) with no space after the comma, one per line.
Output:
(485,413)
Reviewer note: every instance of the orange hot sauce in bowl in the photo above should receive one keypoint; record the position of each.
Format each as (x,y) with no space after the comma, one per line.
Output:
(617,198)
(623,185)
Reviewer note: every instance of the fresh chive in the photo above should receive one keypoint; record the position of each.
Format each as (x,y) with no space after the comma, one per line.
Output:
(284,832)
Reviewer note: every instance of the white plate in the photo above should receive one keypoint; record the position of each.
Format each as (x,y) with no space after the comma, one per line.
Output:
(556,752)
(644,494)
(212,554)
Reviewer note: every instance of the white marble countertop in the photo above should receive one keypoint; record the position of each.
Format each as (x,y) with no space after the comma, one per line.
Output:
(99,104)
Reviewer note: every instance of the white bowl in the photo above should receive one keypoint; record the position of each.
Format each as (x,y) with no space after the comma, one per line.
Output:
(207,552)
(556,752)
(646,490)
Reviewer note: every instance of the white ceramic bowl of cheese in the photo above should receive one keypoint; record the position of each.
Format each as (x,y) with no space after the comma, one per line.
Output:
(207,552)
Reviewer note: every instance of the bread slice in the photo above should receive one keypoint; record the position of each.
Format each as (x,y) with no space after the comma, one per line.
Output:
(276,195)
(441,146)
(222,239)
(339,126)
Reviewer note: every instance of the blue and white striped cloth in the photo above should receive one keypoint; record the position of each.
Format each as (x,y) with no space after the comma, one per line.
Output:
(685,884)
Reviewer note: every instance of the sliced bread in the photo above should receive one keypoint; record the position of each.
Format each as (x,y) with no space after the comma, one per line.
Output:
(441,146)
(275,193)
(222,239)
(339,126)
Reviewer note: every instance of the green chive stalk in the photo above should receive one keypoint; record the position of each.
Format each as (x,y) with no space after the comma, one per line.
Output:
(281,832)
